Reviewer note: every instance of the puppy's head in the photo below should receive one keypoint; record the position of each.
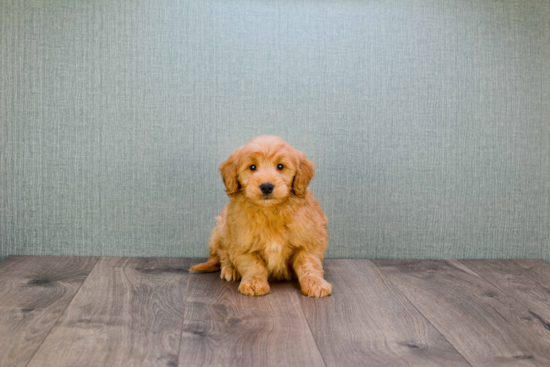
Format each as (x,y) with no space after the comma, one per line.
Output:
(267,171)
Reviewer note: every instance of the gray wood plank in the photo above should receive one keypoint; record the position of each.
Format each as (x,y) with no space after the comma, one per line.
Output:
(535,269)
(225,328)
(488,327)
(511,278)
(368,322)
(127,313)
(34,291)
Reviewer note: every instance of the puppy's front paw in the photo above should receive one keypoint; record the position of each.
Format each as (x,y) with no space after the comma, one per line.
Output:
(230,274)
(315,287)
(254,286)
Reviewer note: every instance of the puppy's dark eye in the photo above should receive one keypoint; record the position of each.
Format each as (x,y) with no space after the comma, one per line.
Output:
(253,167)
(280,167)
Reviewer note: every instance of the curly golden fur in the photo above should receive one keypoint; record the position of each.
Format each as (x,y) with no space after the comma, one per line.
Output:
(274,233)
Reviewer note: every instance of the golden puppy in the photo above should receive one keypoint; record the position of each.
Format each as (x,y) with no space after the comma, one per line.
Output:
(272,228)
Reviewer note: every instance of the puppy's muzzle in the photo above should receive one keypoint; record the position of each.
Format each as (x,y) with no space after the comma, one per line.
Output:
(266,188)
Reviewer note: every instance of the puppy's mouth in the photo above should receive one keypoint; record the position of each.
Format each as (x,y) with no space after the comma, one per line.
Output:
(267,197)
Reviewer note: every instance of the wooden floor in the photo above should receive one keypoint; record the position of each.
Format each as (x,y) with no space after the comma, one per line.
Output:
(89,311)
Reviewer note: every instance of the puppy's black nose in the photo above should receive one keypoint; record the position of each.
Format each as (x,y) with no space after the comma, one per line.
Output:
(266,188)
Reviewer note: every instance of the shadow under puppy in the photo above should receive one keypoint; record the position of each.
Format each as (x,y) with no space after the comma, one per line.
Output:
(272,228)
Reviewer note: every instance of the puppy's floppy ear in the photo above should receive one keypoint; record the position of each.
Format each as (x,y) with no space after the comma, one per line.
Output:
(228,170)
(304,174)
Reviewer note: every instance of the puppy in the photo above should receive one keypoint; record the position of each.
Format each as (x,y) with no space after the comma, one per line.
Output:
(272,228)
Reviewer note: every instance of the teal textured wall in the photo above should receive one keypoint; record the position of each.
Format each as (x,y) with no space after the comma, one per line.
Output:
(428,121)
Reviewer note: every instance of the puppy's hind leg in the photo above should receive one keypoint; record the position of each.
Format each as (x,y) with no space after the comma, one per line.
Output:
(228,272)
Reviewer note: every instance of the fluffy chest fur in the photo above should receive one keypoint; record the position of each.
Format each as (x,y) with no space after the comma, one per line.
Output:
(265,232)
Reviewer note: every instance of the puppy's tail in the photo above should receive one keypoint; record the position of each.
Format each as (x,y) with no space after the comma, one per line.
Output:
(213,264)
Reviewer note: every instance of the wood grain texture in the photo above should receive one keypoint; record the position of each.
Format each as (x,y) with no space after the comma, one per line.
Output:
(511,278)
(368,322)
(34,291)
(488,327)
(535,269)
(225,328)
(130,312)
(127,313)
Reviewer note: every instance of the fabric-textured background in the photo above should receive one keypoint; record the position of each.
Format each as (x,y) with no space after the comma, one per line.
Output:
(428,121)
